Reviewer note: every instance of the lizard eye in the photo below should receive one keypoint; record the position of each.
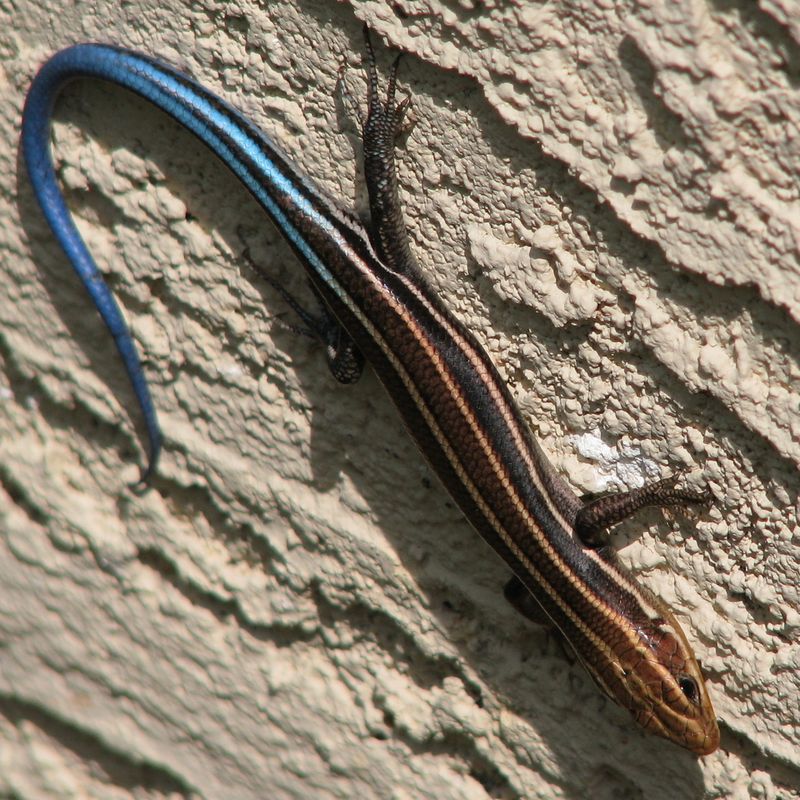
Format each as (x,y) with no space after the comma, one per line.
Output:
(689,687)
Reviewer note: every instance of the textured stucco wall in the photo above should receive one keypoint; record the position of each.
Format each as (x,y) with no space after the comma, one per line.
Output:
(607,193)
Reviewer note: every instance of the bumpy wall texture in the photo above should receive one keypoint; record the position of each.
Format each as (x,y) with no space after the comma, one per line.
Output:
(607,193)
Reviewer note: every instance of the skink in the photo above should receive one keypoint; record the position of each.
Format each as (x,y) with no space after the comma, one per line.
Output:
(451,397)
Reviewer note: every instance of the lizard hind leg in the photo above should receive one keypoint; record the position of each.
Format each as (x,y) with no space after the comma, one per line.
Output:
(380,130)
(345,360)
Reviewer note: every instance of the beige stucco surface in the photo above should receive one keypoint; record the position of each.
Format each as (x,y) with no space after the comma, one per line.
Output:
(608,194)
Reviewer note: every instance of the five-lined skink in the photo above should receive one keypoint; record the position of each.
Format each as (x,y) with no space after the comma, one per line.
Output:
(451,397)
